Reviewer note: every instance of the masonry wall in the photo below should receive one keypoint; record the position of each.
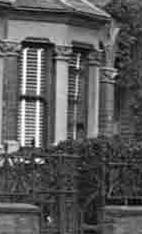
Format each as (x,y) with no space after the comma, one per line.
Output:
(55,32)
(18,224)
(123,220)
(19,219)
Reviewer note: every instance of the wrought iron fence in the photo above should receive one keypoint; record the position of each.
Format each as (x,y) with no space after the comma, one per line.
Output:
(123,180)
(47,181)
(57,182)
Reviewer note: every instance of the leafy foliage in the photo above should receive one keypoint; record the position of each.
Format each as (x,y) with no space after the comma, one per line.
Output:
(128,14)
(93,154)
(81,168)
(102,160)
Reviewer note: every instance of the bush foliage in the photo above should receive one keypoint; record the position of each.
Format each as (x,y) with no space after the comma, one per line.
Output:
(128,14)
(97,154)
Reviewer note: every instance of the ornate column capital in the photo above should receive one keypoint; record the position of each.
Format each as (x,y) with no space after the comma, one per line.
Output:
(9,48)
(95,57)
(108,74)
(63,52)
(110,54)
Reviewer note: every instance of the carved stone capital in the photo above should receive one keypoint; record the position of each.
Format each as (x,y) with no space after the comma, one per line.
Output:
(9,48)
(109,51)
(63,52)
(95,57)
(108,74)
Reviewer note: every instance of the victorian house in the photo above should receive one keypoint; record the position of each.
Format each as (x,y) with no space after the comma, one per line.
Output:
(57,71)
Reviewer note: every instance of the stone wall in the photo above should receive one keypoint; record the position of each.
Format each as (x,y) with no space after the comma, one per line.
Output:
(123,220)
(19,219)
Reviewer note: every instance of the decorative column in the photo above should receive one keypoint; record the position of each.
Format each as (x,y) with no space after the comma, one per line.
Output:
(93,99)
(61,92)
(107,82)
(9,51)
(1,90)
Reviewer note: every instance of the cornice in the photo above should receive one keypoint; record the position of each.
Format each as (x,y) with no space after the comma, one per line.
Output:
(70,12)
(84,7)
(66,16)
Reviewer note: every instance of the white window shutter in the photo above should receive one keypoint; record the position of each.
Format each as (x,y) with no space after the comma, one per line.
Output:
(31,106)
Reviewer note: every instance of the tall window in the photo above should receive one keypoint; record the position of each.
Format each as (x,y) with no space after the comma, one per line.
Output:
(78,94)
(32,105)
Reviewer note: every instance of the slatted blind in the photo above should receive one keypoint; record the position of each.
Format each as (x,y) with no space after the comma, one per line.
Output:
(77,94)
(31,107)
(31,84)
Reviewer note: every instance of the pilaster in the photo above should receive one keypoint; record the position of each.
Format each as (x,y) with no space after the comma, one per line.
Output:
(93,93)
(61,91)
(107,82)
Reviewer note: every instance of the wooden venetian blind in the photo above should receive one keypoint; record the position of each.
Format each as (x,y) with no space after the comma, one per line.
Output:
(32,89)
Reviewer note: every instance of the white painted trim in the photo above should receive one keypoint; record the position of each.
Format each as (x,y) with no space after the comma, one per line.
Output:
(39,51)
(37,124)
(24,70)
(22,130)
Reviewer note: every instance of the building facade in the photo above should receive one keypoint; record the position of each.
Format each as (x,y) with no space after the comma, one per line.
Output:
(56,76)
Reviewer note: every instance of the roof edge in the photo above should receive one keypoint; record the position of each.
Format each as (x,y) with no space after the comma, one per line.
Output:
(73,11)
(6,2)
